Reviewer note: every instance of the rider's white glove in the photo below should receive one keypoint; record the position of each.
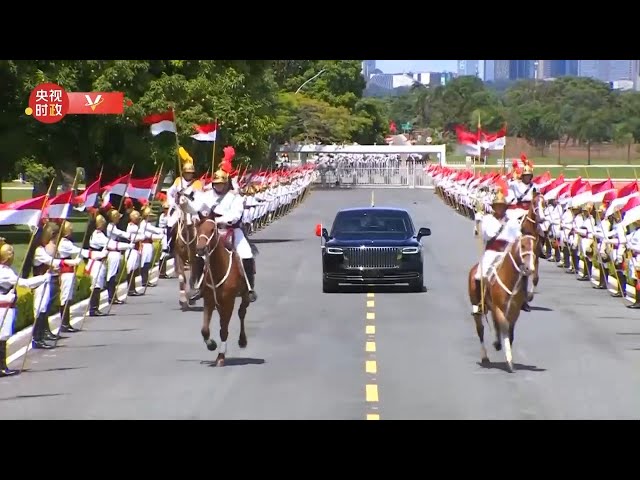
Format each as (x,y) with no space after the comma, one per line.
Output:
(183,200)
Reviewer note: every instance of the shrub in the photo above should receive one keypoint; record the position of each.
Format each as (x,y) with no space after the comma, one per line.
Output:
(24,305)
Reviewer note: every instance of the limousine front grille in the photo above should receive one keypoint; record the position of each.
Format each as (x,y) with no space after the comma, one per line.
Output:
(371,257)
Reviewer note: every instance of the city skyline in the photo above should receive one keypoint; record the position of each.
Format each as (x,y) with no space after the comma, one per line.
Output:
(399,66)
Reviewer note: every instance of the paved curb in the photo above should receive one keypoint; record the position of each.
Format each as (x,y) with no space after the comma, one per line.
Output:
(19,344)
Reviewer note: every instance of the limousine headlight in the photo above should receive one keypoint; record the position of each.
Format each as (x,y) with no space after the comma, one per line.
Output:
(334,251)
(410,250)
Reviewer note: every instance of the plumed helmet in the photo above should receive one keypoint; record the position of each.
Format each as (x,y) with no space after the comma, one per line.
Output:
(134,216)
(499,199)
(528,169)
(101,222)
(165,205)
(187,161)
(220,176)
(587,207)
(48,232)
(602,208)
(146,211)
(67,228)
(114,216)
(6,252)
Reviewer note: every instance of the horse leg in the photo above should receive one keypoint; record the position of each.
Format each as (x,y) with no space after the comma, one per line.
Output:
(503,328)
(225,309)
(242,312)
(207,312)
(179,266)
(484,358)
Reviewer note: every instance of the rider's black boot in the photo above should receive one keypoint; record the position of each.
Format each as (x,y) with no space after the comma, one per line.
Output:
(249,265)
(525,289)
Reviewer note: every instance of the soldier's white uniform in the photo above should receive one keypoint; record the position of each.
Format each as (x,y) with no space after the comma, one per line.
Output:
(69,253)
(151,233)
(8,280)
(496,235)
(115,235)
(186,188)
(41,294)
(95,255)
(519,197)
(163,226)
(132,257)
(633,244)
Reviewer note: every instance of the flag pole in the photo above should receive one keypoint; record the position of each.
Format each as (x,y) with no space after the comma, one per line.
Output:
(213,155)
(55,252)
(175,120)
(33,236)
(504,150)
(155,253)
(479,143)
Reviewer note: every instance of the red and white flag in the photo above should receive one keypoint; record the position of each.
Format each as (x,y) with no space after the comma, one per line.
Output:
(141,188)
(206,133)
(23,212)
(494,141)
(59,206)
(118,186)
(89,197)
(161,122)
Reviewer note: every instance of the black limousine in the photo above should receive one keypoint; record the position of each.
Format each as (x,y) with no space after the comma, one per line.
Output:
(372,246)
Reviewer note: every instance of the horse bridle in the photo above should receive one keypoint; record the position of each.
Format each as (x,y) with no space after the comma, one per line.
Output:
(518,267)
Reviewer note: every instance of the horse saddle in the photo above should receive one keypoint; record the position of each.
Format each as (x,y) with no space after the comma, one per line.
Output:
(227,237)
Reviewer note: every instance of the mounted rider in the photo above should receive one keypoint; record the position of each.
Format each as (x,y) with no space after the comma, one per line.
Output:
(227,206)
(521,191)
(498,233)
(186,185)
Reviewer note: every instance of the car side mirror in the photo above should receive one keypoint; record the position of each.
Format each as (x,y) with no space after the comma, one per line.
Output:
(423,232)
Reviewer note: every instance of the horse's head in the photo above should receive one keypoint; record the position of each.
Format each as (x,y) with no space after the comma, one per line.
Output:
(208,236)
(524,254)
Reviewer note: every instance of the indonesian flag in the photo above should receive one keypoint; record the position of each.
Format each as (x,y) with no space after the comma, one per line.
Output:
(118,186)
(625,194)
(206,133)
(631,211)
(600,190)
(161,122)
(494,141)
(24,212)
(89,197)
(59,206)
(141,188)
(469,141)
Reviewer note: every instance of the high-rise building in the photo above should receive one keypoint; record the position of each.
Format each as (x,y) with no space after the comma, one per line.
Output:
(598,69)
(496,70)
(489,70)
(368,66)
(468,67)
(521,69)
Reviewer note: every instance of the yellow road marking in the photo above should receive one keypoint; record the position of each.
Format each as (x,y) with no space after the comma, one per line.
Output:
(371,316)
(371,366)
(370,347)
(373,416)
(372,393)
(371,295)
(370,330)
(371,303)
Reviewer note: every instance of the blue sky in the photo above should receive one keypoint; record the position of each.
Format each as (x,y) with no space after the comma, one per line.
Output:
(398,66)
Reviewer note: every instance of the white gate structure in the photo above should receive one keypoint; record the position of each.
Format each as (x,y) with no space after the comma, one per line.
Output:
(403,173)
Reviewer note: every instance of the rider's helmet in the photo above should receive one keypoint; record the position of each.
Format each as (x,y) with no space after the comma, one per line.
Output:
(499,199)
(6,252)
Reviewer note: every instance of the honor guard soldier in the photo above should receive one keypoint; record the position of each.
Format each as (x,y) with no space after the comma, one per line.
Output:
(115,235)
(43,262)
(162,225)
(633,260)
(521,192)
(186,185)
(497,233)
(96,256)
(151,234)
(132,257)
(70,254)
(9,280)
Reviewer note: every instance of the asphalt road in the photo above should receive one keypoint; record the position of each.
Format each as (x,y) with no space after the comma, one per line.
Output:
(311,355)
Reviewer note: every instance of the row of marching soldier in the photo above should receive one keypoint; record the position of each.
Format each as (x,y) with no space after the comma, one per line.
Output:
(53,259)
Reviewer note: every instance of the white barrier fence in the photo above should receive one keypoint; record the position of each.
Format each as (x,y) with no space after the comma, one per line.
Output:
(405,175)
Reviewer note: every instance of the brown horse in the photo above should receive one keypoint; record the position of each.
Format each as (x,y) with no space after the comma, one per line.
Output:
(224,280)
(531,226)
(504,295)
(184,241)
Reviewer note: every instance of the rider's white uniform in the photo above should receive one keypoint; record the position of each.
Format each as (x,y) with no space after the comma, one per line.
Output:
(504,231)
(186,188)
(519,192)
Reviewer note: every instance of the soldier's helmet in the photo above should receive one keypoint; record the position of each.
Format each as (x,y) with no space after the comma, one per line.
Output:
(165,206)
(101,222)
(49,232)
(134,216)
(499,199)
(587,207)
(146,211)
(527,170)
(67,228)
(114,216)
(6,252)
(187,161)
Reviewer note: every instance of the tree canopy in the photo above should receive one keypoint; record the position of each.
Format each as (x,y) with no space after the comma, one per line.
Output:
(576,109)
(255,103)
